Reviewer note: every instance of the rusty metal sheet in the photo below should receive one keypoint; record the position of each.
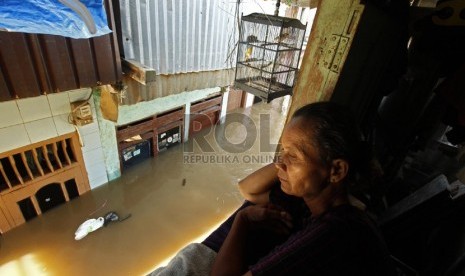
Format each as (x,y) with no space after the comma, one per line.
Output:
(17,66)
(3,87)
(58,62)
(165,85)
(85,64)
(105,63)
(34,44)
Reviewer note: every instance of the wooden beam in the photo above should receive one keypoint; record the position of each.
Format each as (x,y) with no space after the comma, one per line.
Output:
(29,172)
(15,169)
(2,171)
(36,205)
(139,72)
(64,190)
(326,51)
(55,153)
(47,159)
(65,152)
(36,161)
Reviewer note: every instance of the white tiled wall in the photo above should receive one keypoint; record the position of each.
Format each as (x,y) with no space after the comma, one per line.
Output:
(10,114)
(93,154)
(40,130)
(12,137)
(62,124)
(59,103)
(31,120)
(34,108)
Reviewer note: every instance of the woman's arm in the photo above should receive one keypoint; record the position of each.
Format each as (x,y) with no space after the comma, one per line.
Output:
(232,255)
(256,186)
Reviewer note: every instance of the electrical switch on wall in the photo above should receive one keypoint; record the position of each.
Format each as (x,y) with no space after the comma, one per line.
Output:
(81,112)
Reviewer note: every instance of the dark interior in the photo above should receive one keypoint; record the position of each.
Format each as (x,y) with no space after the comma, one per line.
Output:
(412,112)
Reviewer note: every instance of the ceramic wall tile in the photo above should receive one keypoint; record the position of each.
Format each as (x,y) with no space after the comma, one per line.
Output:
(98,181)
(62,125)
(59,103)
(79,94)
(93,157)
(96,170)
(89,128)
(95,166)
(41,130)
(35,108)
(10,114)
(13,137)
(91,141)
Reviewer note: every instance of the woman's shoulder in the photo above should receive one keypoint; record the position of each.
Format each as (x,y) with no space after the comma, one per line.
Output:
(347,213)
(355,228)
(348,222)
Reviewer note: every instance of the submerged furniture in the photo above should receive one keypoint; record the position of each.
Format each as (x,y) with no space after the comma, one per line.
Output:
(148,137)
(145,138)
(38,177)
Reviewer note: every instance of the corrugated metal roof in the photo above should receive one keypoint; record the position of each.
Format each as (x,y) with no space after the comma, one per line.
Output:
(31,65)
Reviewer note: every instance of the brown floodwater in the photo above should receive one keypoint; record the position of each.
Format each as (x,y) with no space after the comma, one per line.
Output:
(174,199)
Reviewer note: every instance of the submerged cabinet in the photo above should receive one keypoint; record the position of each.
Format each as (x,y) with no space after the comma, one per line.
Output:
(146,138)
(205,113)
(268,55)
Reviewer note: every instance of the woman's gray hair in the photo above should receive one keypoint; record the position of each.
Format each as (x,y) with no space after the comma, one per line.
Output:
(338,136)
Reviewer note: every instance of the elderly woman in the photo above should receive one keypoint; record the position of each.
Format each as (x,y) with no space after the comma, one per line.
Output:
(305,225)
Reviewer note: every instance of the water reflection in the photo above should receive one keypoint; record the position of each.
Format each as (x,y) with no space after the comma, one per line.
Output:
(171,202)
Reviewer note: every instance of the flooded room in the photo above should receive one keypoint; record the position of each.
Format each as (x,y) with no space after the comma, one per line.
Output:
(205,137)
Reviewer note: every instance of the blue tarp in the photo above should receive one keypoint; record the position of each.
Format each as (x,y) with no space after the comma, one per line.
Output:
(69,18)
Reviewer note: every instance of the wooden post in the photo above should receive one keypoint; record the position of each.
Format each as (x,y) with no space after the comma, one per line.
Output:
(331,36)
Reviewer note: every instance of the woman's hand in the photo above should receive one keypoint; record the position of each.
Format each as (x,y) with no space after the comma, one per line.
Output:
(231,259)
(266,217)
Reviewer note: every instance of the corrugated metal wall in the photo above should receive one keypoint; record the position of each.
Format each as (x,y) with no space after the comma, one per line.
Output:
(31,65)
(179,36)
(189,43)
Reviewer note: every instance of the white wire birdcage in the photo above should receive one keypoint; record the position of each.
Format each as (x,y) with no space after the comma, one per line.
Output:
(268,55)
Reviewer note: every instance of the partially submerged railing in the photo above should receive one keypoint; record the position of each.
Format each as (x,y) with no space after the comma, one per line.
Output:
(26,170)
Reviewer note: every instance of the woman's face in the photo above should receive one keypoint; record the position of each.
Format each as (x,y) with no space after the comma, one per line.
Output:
(300,169)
